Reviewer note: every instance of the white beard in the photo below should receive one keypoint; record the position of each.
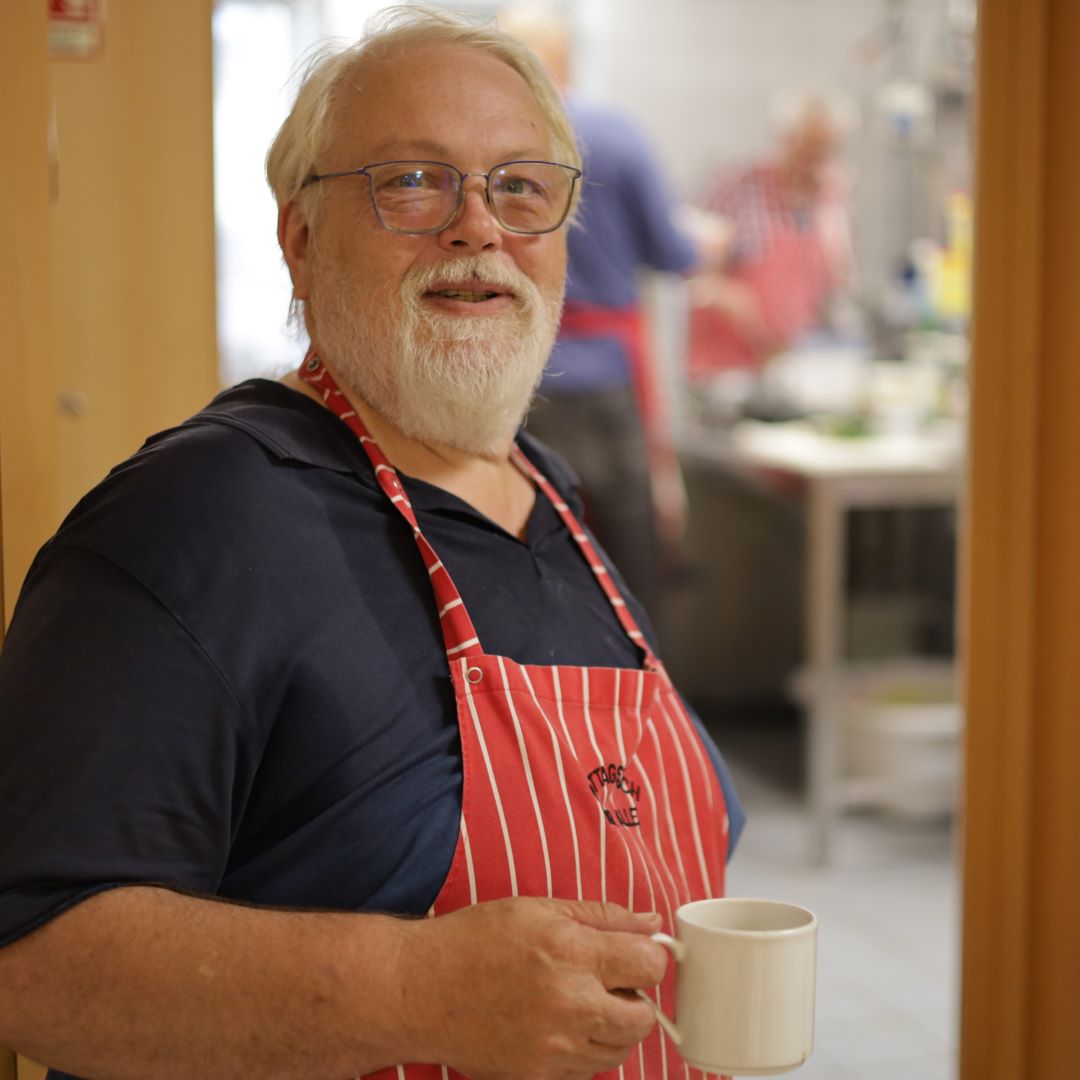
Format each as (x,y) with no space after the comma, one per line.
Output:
(462,382)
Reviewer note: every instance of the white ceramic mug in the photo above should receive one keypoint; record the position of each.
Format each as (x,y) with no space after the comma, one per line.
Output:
(744,998)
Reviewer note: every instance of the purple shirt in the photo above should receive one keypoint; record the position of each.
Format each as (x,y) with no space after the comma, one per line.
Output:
(623,224)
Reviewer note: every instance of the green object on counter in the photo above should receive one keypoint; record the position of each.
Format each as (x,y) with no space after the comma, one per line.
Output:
(851,426)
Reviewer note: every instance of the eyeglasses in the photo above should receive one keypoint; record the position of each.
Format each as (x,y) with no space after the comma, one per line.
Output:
(423,197)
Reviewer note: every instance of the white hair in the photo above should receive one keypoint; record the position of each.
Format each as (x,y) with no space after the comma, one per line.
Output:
(791,107)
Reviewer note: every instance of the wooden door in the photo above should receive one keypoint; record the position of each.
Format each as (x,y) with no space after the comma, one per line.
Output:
(107,280)
(111,291)
(28,418)
(133,235)
(1021,935)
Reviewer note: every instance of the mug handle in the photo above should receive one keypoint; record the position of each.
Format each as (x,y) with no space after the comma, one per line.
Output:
(678,952)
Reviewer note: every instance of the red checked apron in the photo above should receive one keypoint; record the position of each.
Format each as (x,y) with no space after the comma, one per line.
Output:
(579,783)
(790,281)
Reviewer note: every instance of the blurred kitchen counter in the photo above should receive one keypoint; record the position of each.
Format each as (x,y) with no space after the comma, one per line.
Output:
(767,548)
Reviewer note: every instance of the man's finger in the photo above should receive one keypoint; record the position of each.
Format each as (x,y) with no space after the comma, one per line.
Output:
(625,1021)
(631,962)
(605,916)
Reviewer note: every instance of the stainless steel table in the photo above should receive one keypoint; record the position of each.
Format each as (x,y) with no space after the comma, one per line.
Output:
(839,475)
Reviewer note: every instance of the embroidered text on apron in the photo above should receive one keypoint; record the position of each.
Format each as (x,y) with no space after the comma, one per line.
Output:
(579,783)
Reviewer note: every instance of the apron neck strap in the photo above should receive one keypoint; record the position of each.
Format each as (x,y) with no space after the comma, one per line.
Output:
(459,634)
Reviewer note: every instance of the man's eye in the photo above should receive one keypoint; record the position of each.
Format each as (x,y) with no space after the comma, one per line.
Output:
(519,185)
(413,180)
(410,180)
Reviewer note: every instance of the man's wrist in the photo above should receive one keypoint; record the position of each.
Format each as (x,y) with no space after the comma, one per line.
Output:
(416,992)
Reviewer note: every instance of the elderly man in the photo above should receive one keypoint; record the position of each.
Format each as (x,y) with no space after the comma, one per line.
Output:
(336,652)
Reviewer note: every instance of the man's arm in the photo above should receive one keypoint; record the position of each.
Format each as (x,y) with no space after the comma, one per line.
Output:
(140,981)
(105,778)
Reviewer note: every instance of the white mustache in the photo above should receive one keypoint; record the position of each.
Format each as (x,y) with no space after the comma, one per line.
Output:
(470,268)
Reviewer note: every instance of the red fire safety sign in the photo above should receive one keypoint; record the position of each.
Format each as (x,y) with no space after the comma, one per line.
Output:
(76,27)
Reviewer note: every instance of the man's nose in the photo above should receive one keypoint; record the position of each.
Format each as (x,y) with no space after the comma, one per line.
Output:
(474,226)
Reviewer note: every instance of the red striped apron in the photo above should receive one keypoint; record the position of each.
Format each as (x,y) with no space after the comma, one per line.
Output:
(579,783)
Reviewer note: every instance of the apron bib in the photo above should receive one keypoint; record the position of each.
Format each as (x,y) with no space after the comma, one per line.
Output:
(579,783)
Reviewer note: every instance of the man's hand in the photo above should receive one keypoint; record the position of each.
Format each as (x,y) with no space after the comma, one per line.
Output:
(713,235)
(530,988)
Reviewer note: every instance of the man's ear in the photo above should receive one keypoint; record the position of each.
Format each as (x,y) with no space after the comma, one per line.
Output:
(294,236)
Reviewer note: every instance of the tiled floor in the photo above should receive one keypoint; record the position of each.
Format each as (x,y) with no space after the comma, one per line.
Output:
(887,908)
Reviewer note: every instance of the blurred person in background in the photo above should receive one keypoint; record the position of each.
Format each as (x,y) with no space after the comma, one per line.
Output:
(790,241)
(330,743)
(601,403)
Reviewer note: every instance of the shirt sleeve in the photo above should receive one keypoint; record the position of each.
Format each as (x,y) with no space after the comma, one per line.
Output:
(736,813)
(662,245)
(124,757)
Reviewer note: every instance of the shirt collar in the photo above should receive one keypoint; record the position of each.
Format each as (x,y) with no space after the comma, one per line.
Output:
(293,427)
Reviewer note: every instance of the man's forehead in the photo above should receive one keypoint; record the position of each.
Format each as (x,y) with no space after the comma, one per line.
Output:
(406,147)
(426,69)
(422,100)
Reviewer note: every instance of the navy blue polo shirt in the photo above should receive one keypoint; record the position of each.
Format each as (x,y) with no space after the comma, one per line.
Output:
(225,672)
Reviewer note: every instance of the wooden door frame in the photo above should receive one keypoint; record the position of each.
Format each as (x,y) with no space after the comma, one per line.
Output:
(28,412)
(28,416)
(1021,867)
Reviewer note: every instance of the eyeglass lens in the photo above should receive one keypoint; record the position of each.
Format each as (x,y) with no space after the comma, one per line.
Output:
(422,196)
